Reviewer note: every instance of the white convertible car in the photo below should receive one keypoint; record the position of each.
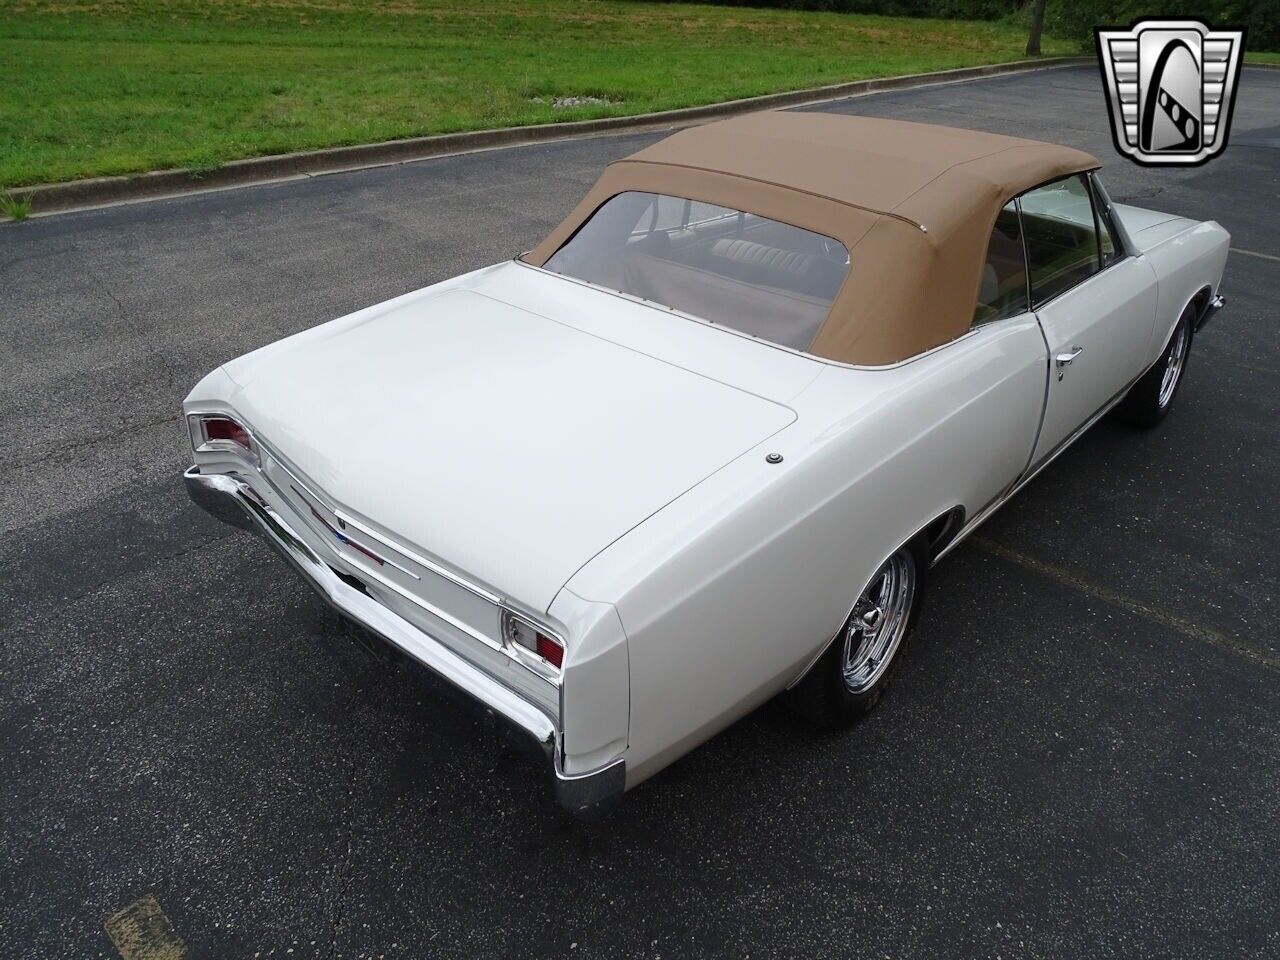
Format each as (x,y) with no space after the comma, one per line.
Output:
(702,445)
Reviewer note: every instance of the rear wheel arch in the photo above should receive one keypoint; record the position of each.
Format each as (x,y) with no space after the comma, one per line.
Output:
(1197,304)
(925,543)
(1151,396)
(822,694)
(1201,301)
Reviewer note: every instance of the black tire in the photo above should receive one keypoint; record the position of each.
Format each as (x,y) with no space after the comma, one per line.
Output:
(1150,399)
(825,695)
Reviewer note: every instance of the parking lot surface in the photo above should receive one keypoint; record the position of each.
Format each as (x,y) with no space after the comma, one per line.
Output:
(1080,756)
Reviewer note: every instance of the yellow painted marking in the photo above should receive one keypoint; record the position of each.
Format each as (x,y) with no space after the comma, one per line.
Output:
(1255,253)
(141,931)
(1241,648)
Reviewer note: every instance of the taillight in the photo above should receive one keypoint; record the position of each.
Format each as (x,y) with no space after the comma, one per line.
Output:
(521,633)
(225,429)
(550,650)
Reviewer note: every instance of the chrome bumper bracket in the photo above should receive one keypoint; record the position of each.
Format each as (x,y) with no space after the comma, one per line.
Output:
(1216,303)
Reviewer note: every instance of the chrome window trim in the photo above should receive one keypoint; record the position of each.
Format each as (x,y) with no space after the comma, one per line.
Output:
(1088,175)
(1026,256)
(1119,233)
(1031,472)
(1026,272)
(826,361)
(1102,219)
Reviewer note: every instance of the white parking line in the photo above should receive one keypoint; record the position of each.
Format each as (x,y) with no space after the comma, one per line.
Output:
(1255,253)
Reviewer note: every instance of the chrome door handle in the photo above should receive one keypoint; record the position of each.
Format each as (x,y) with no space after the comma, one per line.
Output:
(1063,359)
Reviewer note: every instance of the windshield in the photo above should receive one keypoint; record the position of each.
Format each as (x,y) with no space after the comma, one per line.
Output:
(736,269)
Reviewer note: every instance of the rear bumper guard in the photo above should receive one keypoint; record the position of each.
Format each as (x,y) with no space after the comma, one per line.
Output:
(231,499)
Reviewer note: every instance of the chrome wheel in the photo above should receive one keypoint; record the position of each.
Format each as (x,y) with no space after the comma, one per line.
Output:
(879,622)
(1174,364)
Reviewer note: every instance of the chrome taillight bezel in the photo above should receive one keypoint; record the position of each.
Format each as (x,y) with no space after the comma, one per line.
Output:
(201,442)
(528,654)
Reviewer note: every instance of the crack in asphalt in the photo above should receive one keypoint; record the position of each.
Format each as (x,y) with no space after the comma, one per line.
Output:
(39,255)
(103,584)
(74,445)
(131,322)
(344,869)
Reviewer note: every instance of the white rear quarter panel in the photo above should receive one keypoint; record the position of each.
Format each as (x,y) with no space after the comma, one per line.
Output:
(732,590)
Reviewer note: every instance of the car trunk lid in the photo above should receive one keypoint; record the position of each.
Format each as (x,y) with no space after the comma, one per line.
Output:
(504,444)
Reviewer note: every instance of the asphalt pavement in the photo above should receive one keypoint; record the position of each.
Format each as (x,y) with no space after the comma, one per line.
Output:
(1080,757)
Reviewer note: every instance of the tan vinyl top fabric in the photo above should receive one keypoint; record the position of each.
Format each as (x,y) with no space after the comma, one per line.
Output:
(913,203)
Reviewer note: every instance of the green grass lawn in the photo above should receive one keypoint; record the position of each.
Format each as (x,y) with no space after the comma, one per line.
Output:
(118,86)
(1251,57)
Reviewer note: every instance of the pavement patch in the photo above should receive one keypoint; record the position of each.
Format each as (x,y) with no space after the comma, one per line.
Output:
(141,931)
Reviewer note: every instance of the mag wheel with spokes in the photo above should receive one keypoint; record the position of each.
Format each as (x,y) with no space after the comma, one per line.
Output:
(879,621)
(1152,396)
(850,678)
(1173,364)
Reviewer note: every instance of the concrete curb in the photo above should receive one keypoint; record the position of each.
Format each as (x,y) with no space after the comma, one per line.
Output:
(99,191)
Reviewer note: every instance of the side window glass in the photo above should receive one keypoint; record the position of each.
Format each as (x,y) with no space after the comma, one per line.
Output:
(1062,238)
(1106,237)
(1002,290)
(1108,245)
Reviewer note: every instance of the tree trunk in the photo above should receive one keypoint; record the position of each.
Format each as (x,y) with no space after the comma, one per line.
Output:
(1037,28)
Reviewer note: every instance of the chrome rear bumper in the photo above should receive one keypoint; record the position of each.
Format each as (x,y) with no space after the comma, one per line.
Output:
(231,499)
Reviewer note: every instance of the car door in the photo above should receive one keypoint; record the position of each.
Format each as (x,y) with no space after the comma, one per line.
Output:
(1095,304)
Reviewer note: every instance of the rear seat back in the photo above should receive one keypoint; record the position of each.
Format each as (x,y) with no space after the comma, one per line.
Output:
(791,270)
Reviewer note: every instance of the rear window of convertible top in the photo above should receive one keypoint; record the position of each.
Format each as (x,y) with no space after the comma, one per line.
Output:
(739,270)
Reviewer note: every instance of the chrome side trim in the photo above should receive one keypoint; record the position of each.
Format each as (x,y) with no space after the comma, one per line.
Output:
(413,555)
(231,499)
(309,495)
(1033,472)
(1215,303)
(420,560)
(333,531)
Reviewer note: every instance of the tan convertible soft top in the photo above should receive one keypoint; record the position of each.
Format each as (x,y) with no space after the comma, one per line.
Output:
(913,203)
